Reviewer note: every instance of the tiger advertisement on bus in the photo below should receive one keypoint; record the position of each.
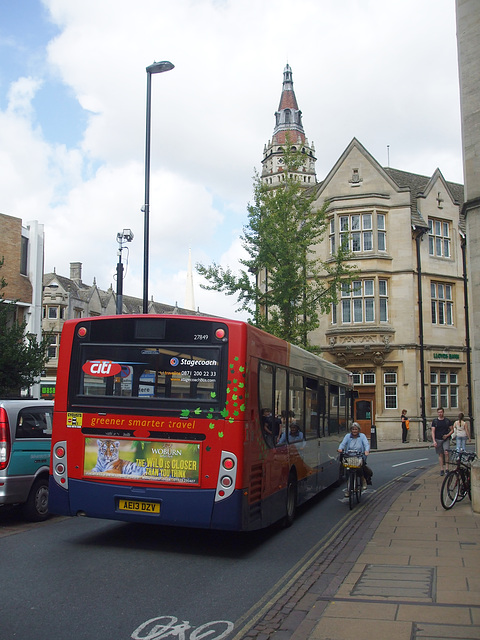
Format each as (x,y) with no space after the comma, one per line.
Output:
(192,421)
(142,460)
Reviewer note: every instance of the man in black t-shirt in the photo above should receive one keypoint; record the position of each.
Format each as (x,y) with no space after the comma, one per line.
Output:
(441,431)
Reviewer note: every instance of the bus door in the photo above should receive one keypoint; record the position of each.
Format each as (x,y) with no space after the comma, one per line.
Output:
(277,470)
(273,409)
(314,419)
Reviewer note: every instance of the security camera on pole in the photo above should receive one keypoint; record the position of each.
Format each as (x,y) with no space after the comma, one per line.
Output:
(123,236)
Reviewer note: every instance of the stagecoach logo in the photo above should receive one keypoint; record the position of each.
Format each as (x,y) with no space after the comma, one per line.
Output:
(101,368)
(174,362)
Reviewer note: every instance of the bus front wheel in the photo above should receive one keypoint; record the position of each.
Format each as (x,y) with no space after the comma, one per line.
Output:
(291,505)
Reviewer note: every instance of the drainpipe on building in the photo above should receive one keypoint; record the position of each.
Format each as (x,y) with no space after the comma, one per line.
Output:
(467,335)
(418,234)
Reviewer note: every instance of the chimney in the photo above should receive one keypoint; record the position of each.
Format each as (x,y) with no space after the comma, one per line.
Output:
(76,272)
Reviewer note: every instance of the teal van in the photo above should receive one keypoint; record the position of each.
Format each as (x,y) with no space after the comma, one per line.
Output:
(25,439)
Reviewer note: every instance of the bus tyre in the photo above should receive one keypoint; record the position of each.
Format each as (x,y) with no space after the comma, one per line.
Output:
(35,508)
(291,505)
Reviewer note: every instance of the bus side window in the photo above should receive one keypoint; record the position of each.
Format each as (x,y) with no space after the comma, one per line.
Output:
(343,411)
(281,398)
(297,396)
(333,416)
(322,410)
(311,409)
(265,398)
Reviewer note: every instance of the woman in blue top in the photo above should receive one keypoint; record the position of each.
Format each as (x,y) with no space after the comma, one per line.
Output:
(357,441)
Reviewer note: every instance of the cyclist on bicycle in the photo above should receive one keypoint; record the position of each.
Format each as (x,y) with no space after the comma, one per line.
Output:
(357,441)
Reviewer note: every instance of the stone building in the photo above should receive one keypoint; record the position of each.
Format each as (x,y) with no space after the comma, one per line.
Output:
(400,327)
(21,249)
(468,43)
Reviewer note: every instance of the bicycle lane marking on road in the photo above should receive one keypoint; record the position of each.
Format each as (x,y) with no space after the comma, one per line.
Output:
(172,629)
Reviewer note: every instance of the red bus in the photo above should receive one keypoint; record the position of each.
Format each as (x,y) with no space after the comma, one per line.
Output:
(191,421)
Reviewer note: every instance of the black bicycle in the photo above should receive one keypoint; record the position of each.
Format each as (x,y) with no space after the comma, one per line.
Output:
(456,484)
(352,462)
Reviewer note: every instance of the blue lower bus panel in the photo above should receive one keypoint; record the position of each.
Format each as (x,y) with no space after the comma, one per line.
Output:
(183,508)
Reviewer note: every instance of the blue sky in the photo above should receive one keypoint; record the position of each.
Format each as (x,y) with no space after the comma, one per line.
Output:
(25,31)
(72,116)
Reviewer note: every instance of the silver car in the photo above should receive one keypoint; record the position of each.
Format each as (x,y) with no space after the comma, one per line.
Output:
(25,439)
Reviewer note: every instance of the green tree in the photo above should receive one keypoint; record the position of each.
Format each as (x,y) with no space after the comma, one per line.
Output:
(22,357)
(280,239)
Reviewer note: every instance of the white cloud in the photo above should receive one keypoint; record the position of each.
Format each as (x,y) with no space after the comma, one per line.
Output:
(381,72)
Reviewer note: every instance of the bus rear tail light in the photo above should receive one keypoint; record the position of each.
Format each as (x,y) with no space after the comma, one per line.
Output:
(228,464)
(59,464)
(5,442)
(227,475)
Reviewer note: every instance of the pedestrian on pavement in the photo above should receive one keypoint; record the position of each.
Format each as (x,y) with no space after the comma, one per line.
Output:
(461,432)
(357,441)
(442,429)
(405,425)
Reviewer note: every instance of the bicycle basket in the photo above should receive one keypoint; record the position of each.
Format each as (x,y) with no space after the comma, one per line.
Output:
(352,462)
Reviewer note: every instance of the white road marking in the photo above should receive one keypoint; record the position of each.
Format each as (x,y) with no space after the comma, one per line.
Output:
(409,462)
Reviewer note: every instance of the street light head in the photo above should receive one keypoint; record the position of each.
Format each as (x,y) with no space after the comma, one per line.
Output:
(160,67)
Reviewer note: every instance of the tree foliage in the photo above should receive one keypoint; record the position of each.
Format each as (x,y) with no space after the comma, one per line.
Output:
(22,357)
(284,284)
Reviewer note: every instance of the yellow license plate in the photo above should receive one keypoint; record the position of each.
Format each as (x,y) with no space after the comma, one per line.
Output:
(139,506)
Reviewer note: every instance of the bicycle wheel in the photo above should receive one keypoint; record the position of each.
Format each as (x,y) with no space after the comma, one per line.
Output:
(358,486)
(465,488)
(462,489)
(351,488)
(450,489)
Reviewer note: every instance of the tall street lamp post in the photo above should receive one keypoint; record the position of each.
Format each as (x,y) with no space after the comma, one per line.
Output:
(156,67)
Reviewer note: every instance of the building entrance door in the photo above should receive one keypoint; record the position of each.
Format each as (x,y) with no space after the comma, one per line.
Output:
(364,411)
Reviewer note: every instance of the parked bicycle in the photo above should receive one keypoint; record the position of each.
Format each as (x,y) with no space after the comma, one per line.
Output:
(457,484)
(353,462)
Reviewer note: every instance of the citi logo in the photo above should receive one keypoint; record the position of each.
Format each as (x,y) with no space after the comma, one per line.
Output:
(101,368)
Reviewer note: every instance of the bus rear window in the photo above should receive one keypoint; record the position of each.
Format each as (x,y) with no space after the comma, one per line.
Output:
(145,371)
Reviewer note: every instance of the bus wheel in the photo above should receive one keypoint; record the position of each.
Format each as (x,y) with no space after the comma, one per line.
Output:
(35,508)
(291,505)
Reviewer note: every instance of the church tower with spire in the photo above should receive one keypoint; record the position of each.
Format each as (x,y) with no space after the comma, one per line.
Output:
(288,123)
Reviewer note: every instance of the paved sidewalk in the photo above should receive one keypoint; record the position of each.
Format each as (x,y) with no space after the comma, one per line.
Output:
(390,445)
(418,577)
(403,569)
